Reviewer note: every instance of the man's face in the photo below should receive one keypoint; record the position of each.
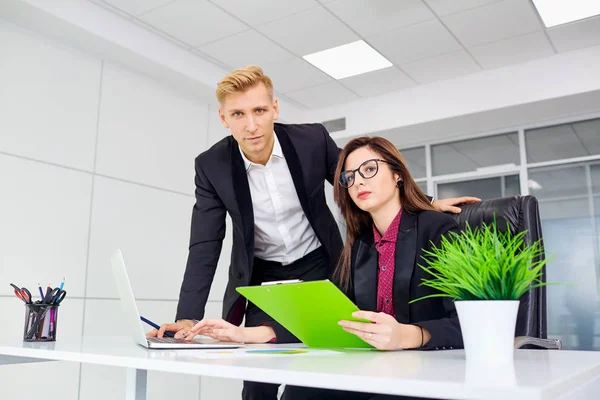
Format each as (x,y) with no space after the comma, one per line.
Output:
(250,116)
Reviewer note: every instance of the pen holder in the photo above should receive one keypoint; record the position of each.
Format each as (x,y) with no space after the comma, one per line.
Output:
(40,322)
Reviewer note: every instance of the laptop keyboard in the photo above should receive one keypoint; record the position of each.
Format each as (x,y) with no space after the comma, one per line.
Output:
(167,340)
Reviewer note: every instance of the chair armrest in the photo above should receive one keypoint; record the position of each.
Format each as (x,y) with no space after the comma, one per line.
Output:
(553,344)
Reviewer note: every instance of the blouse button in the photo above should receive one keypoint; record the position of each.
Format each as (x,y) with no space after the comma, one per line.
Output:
(383,268)
(387,300)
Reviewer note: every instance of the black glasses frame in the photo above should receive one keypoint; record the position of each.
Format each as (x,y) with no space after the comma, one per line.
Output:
(343,178)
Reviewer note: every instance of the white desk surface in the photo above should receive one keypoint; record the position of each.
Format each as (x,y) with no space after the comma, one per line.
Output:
(536,374)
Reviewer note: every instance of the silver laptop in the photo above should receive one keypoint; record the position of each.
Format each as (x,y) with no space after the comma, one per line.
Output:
(134,322)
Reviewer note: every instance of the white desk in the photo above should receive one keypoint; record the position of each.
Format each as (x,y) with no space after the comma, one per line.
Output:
(536,374)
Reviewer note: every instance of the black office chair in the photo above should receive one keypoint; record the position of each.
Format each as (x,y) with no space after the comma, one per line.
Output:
(522,213)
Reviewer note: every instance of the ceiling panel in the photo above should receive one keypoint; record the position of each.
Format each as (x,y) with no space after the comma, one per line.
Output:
(441,67)
(378,82)
(194,22)
(295,74)
(415,42)
(322,95)
(493,22)
(370,17)
(309,31)
(249,47)
(425,39)
(515,50)
(576,35)
(136,7)
(446,7)
(258,12)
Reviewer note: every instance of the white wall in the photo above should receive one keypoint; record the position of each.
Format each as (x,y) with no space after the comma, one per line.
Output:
(94,157)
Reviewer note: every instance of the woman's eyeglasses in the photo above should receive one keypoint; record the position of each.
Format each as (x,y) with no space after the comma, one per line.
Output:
(367,170)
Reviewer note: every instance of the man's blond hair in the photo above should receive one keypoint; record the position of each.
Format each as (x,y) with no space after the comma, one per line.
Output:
(241,80)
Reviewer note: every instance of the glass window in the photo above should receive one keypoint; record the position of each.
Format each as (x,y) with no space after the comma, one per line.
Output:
(562,191)
(423,186)
(595,171)
(569,241)
(486,188)
(469,155)
(511,185)
(415,161)
(563,141)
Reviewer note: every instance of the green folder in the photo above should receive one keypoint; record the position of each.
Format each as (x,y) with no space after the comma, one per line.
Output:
(310,310)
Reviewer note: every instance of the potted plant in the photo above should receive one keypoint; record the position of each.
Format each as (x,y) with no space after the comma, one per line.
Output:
(485,271)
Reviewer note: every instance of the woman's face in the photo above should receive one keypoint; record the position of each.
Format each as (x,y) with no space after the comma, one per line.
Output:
(369,194)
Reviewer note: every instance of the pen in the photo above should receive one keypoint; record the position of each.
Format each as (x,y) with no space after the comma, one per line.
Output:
(41,292)
(62,284)
(152,324)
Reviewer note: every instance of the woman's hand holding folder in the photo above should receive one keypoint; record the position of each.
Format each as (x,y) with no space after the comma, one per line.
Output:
(385,333)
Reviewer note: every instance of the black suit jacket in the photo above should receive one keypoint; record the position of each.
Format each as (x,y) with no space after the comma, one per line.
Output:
(416,232)
(222,187)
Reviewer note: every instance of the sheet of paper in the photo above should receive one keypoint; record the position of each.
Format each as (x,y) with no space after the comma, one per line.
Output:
(279,352)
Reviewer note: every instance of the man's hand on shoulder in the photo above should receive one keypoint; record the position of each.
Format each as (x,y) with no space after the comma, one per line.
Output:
(450,204)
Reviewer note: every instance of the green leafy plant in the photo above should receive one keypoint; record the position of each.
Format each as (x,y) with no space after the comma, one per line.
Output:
(484,264)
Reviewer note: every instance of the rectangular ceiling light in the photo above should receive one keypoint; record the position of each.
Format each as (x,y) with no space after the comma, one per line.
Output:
(348,60)
(558,12)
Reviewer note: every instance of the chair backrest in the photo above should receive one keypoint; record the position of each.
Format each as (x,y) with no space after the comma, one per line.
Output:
(522,214)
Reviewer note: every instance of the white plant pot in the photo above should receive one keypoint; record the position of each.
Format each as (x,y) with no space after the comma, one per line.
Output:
(488,329)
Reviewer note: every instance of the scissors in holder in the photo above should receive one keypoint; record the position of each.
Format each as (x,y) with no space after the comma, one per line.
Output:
(52,297)
(55,296)
(23,294)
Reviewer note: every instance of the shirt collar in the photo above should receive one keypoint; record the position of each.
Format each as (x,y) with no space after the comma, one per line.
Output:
(392,231)
(277,152)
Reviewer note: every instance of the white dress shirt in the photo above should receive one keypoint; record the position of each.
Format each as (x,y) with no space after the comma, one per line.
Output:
(282,232)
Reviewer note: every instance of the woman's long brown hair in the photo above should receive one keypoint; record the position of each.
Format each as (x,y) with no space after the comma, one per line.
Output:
(412,198)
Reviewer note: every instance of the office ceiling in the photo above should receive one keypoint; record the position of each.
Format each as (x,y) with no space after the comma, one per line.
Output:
(426,40)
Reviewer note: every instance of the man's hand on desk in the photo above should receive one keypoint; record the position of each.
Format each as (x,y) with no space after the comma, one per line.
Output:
(179,328)
(220,329)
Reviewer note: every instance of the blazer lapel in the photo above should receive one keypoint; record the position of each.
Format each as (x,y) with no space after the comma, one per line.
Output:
(244,199)
(406,249)
(365,276)
(293,162)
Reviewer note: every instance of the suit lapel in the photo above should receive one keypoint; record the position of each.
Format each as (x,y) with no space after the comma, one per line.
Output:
(244,199)
(293,162)
(406,249)
(365,276)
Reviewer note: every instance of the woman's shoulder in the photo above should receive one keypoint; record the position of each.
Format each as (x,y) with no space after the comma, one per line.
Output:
(432,215)
(437,220)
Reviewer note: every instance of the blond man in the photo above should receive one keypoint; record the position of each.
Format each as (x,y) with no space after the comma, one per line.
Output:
(270,178)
